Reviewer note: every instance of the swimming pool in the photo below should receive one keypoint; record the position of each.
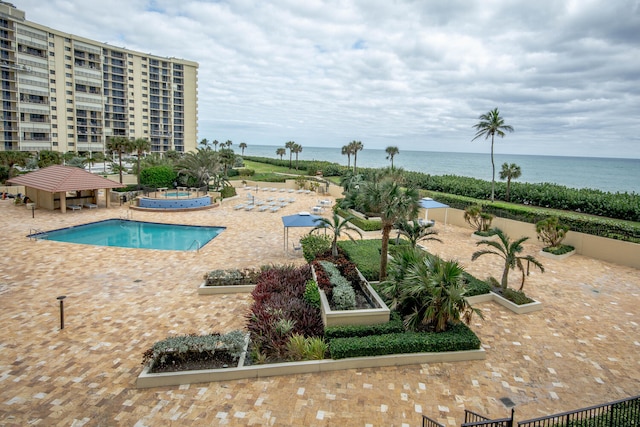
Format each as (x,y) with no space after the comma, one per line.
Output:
(135,234)
(176,194)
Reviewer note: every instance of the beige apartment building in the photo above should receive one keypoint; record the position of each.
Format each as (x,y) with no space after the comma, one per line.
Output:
(63,92)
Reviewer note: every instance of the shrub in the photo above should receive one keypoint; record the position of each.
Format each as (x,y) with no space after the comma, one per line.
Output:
(228,191)
(158,176)
(362,224)
(457,338)
(313,245)
(477,218)
(312,294)
(231,277)
(343,296)
(516,297)
(184,348)
(306,348)
(551,231)
(475,286)
(559,250)
(246,172)
(232,173)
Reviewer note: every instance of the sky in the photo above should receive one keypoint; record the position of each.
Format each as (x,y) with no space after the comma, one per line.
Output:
(415,74)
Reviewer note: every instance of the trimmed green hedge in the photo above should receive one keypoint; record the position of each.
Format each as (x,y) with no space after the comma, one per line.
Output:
(393,326)
(457,338)
(362,224)
(365,254)
(588,224)
(475,286)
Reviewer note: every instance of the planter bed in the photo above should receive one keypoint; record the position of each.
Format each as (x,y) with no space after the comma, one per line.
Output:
(518,309)
(491,238)
(556,257)
(146,380)
(205,289)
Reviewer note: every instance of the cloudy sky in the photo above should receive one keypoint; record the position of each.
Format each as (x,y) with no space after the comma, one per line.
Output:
(415,74)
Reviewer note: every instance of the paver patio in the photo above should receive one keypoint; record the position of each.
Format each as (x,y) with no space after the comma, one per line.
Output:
(582,349)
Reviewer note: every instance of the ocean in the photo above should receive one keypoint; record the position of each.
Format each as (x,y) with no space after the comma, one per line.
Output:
(606,174)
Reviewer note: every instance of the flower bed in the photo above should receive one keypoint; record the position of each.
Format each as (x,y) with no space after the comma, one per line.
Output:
(228,281)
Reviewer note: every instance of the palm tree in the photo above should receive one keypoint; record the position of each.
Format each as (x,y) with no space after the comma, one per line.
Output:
(509,251)
(204,143)
(392,203)
(355,147)
(201,165)
(227,157)
(509,172)
(491,124)
(215,143)
(297,149)
(120,145)
(289,145)
(433,293)
(242,146)
(346,151)
(339,226)
(281,152)
(391,152)
(140,146)
(228,143)
(415,232)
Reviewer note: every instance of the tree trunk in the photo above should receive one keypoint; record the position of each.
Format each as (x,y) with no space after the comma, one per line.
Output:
(386,231)
(493,172)
(505,277)
(120,163)
(508,188)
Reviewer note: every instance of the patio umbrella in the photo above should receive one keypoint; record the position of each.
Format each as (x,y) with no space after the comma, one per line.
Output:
(301,219)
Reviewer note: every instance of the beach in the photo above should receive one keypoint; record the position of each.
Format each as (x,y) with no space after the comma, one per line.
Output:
(582,349)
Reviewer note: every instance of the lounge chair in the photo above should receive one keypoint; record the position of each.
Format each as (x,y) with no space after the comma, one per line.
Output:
(90,205)
(283,204)
(259,203)
(291,190)
(263,208)
(238,207)
(300,191)
(297,247)
(275,209)
(291,200)
(75,207)
(248,207)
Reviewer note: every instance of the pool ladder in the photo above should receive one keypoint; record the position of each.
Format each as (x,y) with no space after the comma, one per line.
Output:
(32,231)
(197,243)
(126,215)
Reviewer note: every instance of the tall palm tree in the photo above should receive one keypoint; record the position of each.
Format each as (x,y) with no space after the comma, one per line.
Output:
(509,172)
(339,226)
(120,145)
(201,165)
(228,143)
(392,203)
(204,143)
(355,147)
(227,157)
(509,251)
(297,149)
(491,124)
(140,146)
(415,232)
(391,151)
(242,146)
(433,294)
(289,145)
(215,143)
(281,152)
(346,151)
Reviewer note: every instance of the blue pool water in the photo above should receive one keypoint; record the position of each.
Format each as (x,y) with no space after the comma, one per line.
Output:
(176,194)
(135,234)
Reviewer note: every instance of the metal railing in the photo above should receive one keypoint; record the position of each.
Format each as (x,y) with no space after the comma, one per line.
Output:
(473,419)
(41,235)
(197,243)
(428,422)
(625,412)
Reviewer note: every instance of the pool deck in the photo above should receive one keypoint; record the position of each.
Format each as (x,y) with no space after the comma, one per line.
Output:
(582,349)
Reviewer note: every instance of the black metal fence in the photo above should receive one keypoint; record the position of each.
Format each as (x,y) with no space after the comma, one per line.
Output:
(621,413)
(428,422)
(477,420)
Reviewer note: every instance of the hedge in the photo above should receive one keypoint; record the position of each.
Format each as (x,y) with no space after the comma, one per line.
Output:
(457,338)
(392,326)
(362,224)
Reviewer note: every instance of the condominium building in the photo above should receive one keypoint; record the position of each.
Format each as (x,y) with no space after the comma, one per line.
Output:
(63,92)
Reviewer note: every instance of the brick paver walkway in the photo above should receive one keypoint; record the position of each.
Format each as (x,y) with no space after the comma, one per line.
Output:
(582,349)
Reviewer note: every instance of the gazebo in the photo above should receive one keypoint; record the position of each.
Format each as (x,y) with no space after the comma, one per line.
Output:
(428,203)
(302,219)
(59,187)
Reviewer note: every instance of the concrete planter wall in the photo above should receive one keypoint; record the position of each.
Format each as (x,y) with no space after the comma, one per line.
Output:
(146,380)
(556,257)
(370,316)
(518,309)
(203,289)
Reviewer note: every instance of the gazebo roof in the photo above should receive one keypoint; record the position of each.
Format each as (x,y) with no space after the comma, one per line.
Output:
(58,178)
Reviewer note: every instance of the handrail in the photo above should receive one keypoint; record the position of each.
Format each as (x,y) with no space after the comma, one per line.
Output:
(197,247)
(33,231)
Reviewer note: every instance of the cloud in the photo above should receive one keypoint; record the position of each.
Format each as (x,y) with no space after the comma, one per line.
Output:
(408,73)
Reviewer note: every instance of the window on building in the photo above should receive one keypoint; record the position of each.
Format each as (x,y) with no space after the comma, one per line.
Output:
(54,126)
(70,127)
(67,58)
(69,110)
(53,90)
(52,53)
(67,66)
(52,81)
(69,83)
(67,49)
(52,72)
(68,75)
